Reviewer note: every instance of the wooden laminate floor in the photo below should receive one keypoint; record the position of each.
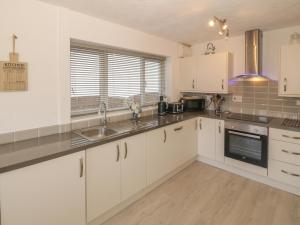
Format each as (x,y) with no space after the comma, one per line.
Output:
(204,195)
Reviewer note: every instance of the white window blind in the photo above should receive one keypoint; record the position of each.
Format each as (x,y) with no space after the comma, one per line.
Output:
(110,75)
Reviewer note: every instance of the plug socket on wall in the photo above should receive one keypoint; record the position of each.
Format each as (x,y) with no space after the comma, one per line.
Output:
(237,98)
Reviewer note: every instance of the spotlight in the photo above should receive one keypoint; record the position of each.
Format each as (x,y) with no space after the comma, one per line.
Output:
(211,23)
(223,27)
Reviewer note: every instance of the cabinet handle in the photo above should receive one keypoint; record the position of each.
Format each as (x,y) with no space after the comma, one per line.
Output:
(289,173)
(222,84)
(286,136)
(118,153)
(200,124)
(81,167)
(126,150)
(178,128)
(285,84)
(193,84)
(288,152)
(219,127)
(165,136)
(196,124)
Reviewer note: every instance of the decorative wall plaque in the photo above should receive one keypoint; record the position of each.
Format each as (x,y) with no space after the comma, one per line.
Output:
(13,74)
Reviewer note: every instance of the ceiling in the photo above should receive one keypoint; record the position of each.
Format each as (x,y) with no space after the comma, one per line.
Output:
(187,20)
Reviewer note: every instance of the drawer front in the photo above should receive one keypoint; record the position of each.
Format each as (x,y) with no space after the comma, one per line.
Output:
(285,135)
(285,173)
(285,152)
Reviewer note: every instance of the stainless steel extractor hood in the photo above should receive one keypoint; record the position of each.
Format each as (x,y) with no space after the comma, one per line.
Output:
(253,55)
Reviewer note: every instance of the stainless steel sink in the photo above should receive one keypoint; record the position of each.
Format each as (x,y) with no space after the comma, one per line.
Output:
(96,133)
(141,124)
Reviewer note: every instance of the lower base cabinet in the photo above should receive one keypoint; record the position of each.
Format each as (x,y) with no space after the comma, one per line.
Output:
(170,147)
(206,138)
(103,179)
(115,172)
(47,193)
(211,139)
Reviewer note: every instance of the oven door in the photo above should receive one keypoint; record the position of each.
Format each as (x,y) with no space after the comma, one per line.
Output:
(246,147)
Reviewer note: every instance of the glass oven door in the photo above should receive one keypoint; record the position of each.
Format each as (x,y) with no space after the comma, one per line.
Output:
(247,147)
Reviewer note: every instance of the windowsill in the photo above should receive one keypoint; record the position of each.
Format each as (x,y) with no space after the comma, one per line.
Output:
(111,115)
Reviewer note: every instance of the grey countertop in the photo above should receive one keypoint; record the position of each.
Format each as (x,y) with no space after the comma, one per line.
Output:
(276,123)
(24,153)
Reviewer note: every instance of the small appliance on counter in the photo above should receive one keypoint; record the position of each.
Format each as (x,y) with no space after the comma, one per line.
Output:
(193,104)
(162,106)
(175,107)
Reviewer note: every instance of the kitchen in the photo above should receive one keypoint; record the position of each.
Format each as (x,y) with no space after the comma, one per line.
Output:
(81,141)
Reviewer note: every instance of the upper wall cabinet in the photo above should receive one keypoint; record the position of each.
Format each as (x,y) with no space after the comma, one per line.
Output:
(206,73)
(290,71)
(188,72)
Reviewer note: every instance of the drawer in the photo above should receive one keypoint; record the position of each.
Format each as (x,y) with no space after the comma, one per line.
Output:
(285,135)
(284,151)
(284,172)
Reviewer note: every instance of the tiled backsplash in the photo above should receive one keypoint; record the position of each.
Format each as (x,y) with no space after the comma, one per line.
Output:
(83,122)
(259,98)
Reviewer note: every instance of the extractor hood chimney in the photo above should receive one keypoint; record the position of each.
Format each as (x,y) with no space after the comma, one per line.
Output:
(253,55)
(253,52)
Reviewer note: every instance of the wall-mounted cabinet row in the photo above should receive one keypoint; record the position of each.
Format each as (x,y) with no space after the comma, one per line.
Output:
(206,73)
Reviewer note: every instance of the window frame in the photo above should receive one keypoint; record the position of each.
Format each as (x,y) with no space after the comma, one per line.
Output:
(104,51)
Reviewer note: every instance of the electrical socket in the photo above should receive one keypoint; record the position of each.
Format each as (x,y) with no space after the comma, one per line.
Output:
(298,102)
(237,98)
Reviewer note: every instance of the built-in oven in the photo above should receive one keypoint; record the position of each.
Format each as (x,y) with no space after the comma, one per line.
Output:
(246,142)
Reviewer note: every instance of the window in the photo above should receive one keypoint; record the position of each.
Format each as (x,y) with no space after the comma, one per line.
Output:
(101,74)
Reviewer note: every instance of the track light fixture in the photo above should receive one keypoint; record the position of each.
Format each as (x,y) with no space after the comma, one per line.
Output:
(223,27)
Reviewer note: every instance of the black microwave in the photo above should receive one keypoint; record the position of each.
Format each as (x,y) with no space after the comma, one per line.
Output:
(193,104)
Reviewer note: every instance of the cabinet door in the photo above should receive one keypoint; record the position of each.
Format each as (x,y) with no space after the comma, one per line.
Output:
(290,71)
(220,140)
(133,166)
(213,72)
(48,193)
(187,140)
(188,73)
(207,138)
(103,179)
(158,154)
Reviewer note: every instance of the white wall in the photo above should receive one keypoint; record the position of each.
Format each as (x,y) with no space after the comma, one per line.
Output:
(36,25)
(272,41)
(44,33)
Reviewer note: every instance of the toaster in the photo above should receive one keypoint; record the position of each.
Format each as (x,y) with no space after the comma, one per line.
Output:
(175,107)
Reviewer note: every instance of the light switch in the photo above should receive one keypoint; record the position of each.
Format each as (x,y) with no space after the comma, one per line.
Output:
(298,102)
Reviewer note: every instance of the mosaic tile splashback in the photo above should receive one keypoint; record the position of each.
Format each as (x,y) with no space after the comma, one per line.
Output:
(259,98)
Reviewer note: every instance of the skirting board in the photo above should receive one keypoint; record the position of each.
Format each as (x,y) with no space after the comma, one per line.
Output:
(104,217)
(262,179)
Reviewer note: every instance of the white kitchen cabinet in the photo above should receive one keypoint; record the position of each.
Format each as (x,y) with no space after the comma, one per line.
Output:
(213,72)
(186,140)
(158,153)
(284,153)
(220,135)
(47,193)
(170,147)
(133,165)
(207,138)
(115,172)
(188,72)
(290,71)
(103,177)
(206,73)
